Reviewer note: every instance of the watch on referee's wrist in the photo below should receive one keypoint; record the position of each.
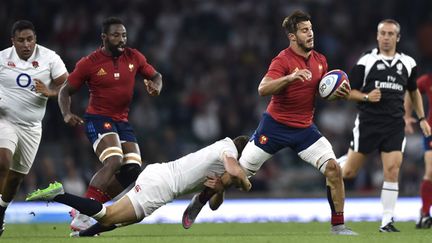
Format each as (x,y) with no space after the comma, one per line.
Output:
(366,98)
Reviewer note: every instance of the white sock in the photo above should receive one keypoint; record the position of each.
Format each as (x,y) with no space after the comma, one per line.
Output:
(342,160)
(389,195)
(100,214)
(3,203)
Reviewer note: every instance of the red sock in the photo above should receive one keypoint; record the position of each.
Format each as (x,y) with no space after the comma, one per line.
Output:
(337,218)
(426,196)
(97,194)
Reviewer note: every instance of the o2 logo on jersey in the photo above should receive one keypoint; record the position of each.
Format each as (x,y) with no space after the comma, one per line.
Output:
(24,80)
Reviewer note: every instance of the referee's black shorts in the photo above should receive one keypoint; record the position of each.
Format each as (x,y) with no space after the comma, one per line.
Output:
(370,133)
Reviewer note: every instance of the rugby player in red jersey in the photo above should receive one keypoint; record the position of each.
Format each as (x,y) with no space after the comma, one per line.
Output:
(292,79)
(109,73)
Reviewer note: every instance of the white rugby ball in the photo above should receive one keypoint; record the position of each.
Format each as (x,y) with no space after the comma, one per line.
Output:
(330,82)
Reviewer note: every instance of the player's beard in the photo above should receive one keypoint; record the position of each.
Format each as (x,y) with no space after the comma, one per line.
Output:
(114,49)
(303,46)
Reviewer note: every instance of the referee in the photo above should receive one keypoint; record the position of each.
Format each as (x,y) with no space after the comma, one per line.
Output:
(379,81)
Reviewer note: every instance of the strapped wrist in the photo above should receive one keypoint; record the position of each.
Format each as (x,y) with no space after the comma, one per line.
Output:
(421,119)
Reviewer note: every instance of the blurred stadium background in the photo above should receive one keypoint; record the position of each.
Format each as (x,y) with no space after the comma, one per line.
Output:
(212,55)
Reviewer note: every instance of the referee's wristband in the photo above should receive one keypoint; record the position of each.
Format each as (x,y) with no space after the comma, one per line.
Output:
(421,119)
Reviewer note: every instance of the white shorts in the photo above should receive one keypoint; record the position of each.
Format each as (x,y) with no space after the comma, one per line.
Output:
(23,142)
(253,157)
(151,190)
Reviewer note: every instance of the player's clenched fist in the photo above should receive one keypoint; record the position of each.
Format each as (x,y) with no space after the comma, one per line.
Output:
(72,119)
(152,88)
(302,75)
(41,88)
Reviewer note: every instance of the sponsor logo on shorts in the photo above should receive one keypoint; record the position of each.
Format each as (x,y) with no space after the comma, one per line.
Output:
(263,139)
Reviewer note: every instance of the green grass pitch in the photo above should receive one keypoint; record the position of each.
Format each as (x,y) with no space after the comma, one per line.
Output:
(220,233)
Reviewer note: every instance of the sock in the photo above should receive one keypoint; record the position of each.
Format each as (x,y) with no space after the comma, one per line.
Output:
(96,229)
(337,218)
(86,206)
(205,195)
(426,196)
(3,203)
(389,195)
(97,194)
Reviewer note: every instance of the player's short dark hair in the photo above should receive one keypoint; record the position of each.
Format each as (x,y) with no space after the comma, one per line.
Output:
(240,142)
(390,21)
(21,25)
(108,22)
(290,22)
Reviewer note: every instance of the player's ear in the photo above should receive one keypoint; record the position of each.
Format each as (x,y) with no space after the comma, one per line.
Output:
(291,37)
(103,36)
(398,37)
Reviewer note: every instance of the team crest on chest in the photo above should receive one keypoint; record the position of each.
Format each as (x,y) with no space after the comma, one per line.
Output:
(263,139)
(131,67)
(116,76)
(399,68)
(35,64)
(101,72)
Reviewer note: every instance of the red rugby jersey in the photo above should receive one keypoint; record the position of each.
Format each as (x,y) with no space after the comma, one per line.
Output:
(294,106)
(424,84)
(110,81)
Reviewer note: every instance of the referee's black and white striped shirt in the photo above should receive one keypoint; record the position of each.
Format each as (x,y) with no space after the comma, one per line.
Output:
(393,76)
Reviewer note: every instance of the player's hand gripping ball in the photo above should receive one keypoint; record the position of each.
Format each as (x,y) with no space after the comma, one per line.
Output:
(334,85)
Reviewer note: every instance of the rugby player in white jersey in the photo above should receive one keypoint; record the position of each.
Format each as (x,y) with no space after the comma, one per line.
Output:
(29,74)
(159,184)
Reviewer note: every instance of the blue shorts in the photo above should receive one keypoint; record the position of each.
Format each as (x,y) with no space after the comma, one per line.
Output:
(427,143)
(97,125)
(272,136)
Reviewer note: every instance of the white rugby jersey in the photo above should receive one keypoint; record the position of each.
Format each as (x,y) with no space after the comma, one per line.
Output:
(17,88)
(190,172)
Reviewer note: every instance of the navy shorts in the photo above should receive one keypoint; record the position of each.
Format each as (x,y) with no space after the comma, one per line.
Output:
(97,125)
(272,136)
(427,142)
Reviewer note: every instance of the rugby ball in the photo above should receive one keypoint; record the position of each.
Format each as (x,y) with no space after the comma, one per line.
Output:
(330,82)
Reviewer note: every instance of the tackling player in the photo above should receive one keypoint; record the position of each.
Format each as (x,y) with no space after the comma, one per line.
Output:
(109,73)
(158,185)
(29,75)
